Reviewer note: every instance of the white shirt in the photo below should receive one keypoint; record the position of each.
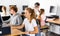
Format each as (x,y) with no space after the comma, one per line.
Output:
(36,12)
(30,26)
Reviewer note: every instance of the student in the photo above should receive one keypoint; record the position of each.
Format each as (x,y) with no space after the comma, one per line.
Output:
(42,17)
(29,23)
(36,8)
(15,17)
(4,13)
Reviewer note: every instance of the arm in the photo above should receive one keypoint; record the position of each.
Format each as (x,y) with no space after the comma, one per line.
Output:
(18,27)
(39,17)
(35,30)
(18,20)
(31,32)
(18,23)
(35,27)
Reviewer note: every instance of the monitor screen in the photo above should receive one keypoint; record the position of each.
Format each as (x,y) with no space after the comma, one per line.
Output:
(58,11)
(24,6)
(53,9)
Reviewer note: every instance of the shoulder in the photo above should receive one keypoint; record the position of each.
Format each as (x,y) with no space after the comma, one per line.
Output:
(34,23)
(25,19)
(33,19)
(18,15)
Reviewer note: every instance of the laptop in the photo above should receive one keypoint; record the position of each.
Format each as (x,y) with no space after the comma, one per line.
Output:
(5,30)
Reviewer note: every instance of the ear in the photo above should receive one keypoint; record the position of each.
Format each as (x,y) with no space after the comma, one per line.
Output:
(30,13)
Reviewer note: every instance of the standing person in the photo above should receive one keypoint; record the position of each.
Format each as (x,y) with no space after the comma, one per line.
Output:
(36,8)
(29,23)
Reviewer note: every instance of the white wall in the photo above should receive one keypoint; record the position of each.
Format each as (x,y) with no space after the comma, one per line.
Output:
(19,4)
(43,4)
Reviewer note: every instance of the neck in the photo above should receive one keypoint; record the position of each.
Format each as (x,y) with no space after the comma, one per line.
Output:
(28,18)
(14,14)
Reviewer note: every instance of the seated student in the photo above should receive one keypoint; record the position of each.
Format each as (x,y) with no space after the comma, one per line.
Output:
(29,23)
(42,17)
(4,13)
(15,17)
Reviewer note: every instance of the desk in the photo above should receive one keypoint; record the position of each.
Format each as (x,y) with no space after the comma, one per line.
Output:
(56,21)
(43,27)
(54,25)
(14,32)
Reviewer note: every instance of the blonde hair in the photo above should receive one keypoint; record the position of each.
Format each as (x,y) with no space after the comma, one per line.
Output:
(32,16)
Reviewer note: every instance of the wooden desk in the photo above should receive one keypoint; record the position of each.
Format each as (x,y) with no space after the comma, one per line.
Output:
(56,21)
(14,32)
(54,25)
(44,27)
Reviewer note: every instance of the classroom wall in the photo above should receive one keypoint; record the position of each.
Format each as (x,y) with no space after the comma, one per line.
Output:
(19,4)
(43,4)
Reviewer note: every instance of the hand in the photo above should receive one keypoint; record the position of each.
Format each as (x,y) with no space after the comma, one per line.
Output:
(26,32)
(13,27)
(30,32)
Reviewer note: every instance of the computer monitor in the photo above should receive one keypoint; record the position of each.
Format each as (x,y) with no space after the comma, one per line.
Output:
(25,6)
(55,10)
(58,11)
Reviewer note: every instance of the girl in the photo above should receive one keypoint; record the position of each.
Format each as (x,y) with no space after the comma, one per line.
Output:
(29,23)
(42,17)
(4,13)
(3,10)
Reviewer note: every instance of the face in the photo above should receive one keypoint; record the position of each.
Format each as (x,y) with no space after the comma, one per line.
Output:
(37,7)
(11,11)
(27,14)
(3,9)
